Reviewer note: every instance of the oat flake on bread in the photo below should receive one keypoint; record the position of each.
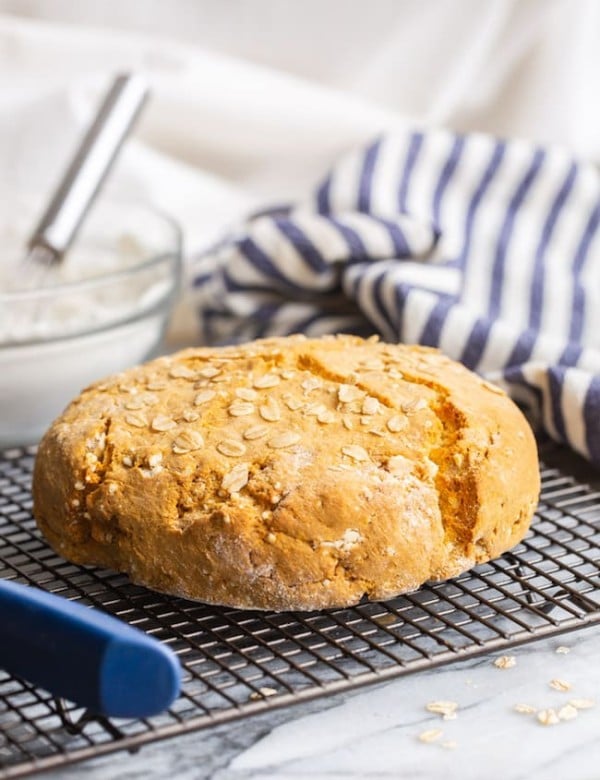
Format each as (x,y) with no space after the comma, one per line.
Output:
(288,473)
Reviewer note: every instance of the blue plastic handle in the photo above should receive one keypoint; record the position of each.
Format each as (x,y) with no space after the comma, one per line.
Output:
(84,655)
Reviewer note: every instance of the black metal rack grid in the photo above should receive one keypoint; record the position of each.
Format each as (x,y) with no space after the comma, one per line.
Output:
(239,663)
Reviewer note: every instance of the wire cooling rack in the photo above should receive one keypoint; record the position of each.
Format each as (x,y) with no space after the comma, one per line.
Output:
(239,663)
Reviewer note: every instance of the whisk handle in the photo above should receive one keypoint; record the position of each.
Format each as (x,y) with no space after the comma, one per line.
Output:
(90,165)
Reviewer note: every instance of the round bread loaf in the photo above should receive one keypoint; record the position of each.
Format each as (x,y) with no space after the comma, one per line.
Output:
(288,474)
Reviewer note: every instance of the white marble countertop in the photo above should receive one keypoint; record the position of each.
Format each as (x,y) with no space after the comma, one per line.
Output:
(374,733)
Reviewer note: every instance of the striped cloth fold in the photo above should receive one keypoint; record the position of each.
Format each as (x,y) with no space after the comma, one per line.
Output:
(487,249)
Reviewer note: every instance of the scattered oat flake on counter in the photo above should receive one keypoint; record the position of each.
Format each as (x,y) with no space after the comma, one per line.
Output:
(582,704)
(525,709)
(447,709)
(505,662)
(560,685)
(262,693)
(431,735)
(562,650)
(568,712)
(548,717)
(450,744)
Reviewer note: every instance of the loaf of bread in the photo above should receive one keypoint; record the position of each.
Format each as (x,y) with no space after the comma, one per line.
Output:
(288,474)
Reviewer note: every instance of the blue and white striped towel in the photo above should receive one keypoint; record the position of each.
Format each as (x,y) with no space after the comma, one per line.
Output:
(487,249)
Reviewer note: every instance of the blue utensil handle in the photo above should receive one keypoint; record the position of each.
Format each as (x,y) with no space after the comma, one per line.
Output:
(84,655)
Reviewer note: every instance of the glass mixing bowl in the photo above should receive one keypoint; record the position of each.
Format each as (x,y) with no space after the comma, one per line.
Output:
(103,310)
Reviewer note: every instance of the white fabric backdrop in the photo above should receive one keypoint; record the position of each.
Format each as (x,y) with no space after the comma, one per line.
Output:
(253,101)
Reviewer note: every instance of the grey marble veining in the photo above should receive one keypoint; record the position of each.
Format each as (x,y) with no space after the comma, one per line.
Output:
(374,733)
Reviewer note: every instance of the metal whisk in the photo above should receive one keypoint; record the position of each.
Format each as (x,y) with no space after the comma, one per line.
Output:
(83,178)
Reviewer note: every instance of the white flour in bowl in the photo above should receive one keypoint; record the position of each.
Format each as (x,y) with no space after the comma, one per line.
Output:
(104,313)
(98,298)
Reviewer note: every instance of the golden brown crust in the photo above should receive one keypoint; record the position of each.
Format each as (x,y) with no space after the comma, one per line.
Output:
(288,473)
